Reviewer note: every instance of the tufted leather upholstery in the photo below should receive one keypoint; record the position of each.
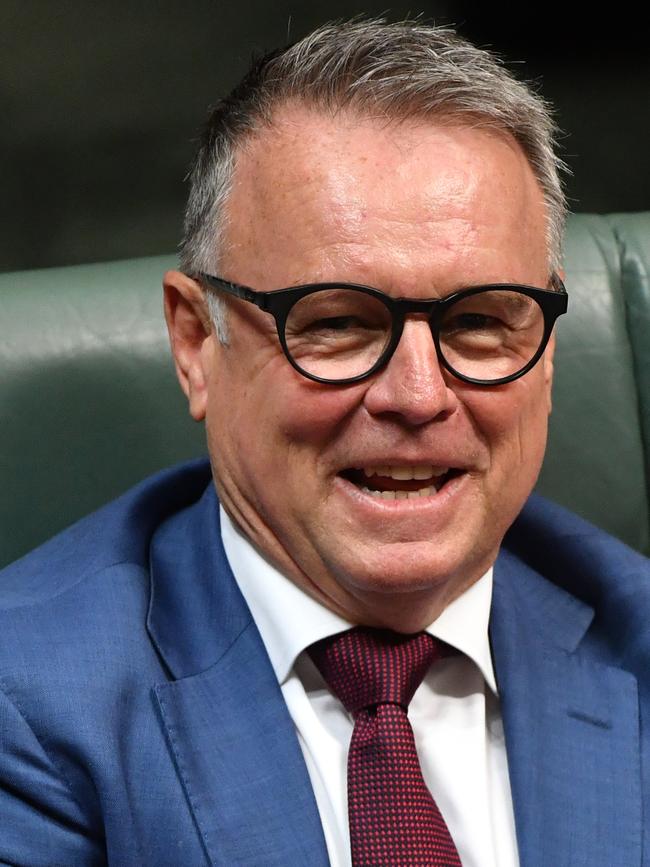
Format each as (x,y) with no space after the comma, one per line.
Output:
(89,402)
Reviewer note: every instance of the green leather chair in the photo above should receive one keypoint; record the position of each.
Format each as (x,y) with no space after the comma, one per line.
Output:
(89,402)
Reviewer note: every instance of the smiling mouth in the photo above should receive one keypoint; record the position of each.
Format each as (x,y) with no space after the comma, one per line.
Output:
(401,482)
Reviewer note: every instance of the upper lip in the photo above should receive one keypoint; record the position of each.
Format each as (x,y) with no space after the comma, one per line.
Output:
(438,460)
(437,463)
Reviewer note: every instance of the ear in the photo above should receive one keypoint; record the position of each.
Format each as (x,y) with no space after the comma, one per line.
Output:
(547,361)
(188,323)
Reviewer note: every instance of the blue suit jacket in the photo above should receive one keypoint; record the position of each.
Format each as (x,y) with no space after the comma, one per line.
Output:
(141,721)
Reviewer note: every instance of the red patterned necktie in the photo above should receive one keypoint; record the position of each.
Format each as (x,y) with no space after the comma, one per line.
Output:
(394,821)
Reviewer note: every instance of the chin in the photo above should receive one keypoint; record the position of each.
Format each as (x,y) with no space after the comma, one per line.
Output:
(406,568)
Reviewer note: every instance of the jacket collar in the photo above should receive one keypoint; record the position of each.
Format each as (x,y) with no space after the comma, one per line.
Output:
(196,611)
(227,724)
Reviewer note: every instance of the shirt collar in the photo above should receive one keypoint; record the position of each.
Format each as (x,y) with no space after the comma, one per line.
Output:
(289,620)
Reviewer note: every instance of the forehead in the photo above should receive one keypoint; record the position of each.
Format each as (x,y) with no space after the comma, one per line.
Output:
(324,191)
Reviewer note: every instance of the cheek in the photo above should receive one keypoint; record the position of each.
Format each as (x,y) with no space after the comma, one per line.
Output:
(512,420)
(273,432)
(312,414)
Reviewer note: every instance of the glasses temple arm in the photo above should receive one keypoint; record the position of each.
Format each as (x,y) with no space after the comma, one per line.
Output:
(243,292)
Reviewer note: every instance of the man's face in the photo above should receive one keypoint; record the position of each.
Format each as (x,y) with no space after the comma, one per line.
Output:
(414,209)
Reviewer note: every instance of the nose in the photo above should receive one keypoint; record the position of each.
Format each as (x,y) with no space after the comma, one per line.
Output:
(412,387)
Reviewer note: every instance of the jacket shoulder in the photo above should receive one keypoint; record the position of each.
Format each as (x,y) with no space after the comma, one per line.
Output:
(591,567)
(118,534)
(552,539)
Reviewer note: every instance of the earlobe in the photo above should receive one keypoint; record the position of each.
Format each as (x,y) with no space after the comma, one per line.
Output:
(188,324)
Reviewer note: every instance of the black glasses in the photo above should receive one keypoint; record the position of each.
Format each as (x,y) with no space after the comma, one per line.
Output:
(341,332)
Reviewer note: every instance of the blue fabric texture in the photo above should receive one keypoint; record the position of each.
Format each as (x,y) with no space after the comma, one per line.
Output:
(141,722)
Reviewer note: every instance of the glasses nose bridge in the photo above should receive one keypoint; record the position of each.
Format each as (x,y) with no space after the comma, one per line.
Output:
(404,307)
(408,306)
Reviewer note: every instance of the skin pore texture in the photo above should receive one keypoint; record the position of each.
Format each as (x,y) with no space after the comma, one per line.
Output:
(418,209)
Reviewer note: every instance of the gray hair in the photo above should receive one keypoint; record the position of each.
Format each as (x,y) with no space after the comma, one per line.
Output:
(395,71)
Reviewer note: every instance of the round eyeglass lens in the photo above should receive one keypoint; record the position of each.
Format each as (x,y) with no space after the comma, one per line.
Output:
(337,333)
(492,334)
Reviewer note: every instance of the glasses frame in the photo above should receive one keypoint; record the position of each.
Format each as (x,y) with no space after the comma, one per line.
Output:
(278,303)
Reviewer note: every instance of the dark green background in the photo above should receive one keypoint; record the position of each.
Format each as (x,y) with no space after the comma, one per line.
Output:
(101,100)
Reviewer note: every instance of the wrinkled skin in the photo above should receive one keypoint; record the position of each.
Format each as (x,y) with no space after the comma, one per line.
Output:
(418,210)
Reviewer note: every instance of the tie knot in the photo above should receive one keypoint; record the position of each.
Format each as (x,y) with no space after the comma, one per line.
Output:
(365,667)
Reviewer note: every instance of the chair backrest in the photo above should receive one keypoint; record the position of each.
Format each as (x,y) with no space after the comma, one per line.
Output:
(89,403)
(598,457)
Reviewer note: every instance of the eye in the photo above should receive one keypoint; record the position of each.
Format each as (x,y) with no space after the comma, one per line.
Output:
(337,313)
(338,323)
(471,322)
(490,312)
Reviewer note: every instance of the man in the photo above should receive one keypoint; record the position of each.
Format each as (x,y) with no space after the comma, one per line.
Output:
(370,278)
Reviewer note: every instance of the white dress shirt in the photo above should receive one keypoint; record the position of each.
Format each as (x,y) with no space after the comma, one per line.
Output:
(454,713)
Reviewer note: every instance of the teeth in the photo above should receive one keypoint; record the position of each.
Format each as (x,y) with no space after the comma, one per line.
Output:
(400,495)
(404,474)
(376,471)
(371,492)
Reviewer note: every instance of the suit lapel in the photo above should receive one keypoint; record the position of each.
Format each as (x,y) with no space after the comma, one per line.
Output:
(571,727)
(227,724)
(240,763)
